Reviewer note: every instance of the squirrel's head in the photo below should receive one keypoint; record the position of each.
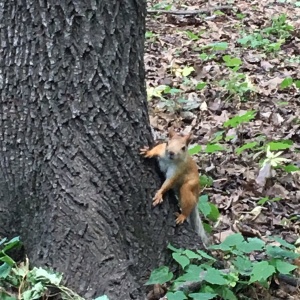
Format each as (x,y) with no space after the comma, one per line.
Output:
(177,145)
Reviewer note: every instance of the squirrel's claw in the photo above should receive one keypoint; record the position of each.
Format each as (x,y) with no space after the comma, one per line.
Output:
(144,151)
(158,198)
(180,218)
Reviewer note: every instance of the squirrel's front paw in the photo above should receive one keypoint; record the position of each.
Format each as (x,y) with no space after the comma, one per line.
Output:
(145,151)
(180,218)
(158,198)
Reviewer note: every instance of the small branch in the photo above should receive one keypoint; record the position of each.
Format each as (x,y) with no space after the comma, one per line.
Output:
(188,12)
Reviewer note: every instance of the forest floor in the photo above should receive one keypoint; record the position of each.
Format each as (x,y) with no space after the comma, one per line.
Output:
(232,77)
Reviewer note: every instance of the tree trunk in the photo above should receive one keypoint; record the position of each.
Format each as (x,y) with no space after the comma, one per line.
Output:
(73,115)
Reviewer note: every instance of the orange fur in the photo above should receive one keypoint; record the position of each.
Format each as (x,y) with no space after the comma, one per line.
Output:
(181,172)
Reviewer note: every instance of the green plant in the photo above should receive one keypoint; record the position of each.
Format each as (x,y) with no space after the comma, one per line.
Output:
(166,5)
(19,282)
(270,38)
(192,36)
(241,270)
(150,35)
(239,120)
(237,84)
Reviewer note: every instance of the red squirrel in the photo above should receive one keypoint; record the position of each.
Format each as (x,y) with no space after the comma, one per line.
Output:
(182,176)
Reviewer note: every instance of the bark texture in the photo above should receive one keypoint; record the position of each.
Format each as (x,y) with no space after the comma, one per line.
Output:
(73,115)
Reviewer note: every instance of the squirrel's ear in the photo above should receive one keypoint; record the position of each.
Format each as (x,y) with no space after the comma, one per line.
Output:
(188,138)
(171,132)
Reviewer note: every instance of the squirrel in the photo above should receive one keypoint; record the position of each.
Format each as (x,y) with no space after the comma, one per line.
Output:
(182,176)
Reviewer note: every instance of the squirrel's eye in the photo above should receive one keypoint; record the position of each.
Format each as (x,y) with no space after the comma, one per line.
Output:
(183,148)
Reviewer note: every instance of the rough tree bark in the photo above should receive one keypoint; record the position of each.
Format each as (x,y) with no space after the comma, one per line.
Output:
(73,114)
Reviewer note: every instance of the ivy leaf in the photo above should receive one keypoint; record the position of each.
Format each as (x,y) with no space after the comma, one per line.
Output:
(203,205)
(4,296)
(214,276)
(179,295)
(226,293)
(181,259)
(160,275)
(291,168)
(243,264)
(13,243)
(280,145)
(174,249)
(194,149)
(284,267)
(245,147)
(261,271)
(214,212)
(283,242)
(212,148)
(286,82)
(4,271)
(202,296)
(191,254)
(277,252)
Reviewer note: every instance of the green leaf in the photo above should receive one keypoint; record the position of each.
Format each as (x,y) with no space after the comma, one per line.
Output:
(192,36)
(219,46)
(179,295)
(194,149)
(243,265)
(297,82)
(286,82)
(231,61)
(104,297)
(280,145)
(160,275)
(172,248)
(189,276)
(203,205)
(245,147)
(192,272)
(262,201)
(211,148)
(284,267)
(3,241)
(205,255)
(187,71)
(234,239)
(277,252)
(290,168)
(261,271)
(237,120)
(252,244)
(214,276)
(202,296)
(47,276)
(191,254)
(7,260)
(4,270)
(181,259)
(214,212)
(200,85)
(226,293)
(283,242)
(4,296)
(206,181)
(13,243)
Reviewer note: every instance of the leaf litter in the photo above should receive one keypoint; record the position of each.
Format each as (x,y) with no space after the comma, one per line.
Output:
(202,71)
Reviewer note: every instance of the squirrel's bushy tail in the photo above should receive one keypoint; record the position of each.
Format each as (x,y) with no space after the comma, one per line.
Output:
(197,225)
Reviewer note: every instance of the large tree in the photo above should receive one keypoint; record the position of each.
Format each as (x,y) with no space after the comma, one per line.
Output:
(73,115)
